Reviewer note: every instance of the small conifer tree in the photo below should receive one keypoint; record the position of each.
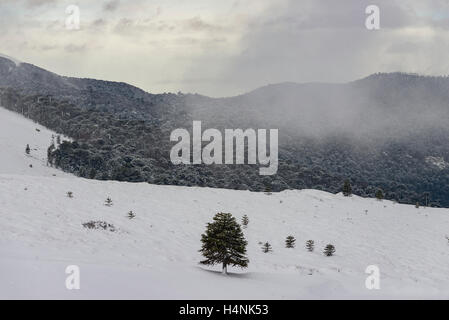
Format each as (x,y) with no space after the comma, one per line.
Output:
(224,242)
(290,242)
(266,247)
(245,221)
(268,189)
(379,195)
(310,245)
(329,250)
(108,202)
(347,189)
(131,215)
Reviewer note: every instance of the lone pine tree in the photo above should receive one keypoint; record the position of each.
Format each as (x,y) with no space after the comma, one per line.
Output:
(224,242)
(290,242)
(266,247)
(310,245)
(347,189)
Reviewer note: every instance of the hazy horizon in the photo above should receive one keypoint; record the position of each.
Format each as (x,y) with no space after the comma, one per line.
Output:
(226,49)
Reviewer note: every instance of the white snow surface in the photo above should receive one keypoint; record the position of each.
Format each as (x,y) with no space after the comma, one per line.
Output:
(155,255)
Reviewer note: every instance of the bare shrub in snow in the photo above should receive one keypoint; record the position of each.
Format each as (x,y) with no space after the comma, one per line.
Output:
(99,225)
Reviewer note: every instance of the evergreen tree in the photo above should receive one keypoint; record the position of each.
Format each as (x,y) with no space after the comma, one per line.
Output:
(347,189)
(50,156)
(290,242)
(379,194)
(266,248)
(245,221)
(131,215)
(224,242)
(329,250)
(27,149)
(268,189)
(310,245)
(108,202)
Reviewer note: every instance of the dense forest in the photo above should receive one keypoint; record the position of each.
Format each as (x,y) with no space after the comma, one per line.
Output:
(119,132)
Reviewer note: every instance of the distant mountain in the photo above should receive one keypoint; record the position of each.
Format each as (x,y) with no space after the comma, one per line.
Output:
(386,131)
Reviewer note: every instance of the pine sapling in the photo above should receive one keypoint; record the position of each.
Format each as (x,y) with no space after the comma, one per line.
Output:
(347,189)
(310,245)
(266,248)
(108,202)
(329,250)
(290,242)
(245,221)
(379,195)
(131,215)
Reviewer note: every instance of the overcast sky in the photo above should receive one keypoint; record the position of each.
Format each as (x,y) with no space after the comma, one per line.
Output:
(223,48)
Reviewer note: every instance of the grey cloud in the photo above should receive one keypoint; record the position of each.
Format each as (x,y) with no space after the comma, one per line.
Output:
(111,5)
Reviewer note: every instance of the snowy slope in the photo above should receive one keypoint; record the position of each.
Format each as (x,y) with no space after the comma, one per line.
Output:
(155,255)
(15,133)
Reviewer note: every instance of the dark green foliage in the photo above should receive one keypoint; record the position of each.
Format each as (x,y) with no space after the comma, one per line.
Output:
(266,247)
(347,189)
(329,250)
(310,245)
(27,149)
(245,221)
(290,242)
(379,194)
(224,243)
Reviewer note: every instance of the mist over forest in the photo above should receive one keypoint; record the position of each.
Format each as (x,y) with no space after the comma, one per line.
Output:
(385,131)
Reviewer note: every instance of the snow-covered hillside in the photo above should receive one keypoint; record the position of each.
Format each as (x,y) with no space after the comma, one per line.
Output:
(15,133)
(155,255)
